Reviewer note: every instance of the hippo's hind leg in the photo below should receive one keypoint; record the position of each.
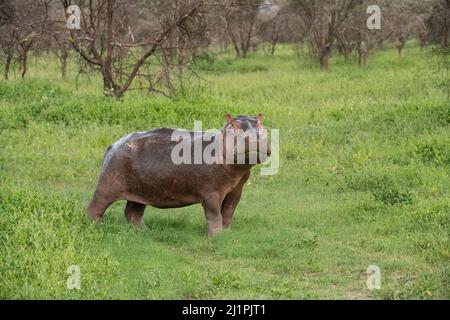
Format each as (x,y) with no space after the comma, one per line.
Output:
(134,212)
(98,206)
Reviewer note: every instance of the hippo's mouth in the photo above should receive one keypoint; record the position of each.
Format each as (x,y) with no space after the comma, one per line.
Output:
(257,155)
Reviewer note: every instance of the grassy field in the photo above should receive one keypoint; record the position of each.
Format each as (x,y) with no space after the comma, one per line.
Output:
(364,180)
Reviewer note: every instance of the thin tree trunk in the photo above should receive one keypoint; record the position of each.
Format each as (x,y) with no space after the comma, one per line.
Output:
(7,66)
(324,58)
(272,50)
(24,66)
(445,38)
(108,84)
(362,53)
(423,37)
(400,46)
(236,47)
(246,44)
(275,38)
(233,38)
(63,59)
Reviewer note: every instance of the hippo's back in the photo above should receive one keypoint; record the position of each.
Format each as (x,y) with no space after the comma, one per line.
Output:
(135,143)
(139,167)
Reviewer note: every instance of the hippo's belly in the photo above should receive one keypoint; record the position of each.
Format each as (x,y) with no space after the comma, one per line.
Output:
(162,192)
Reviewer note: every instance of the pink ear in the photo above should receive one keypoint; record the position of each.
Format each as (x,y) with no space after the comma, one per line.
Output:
(259,118)
(229,117)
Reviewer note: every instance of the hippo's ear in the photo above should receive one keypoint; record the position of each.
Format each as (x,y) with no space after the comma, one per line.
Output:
(229,118)
(259,119)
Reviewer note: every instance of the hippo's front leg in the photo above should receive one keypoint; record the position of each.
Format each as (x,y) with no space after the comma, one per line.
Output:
(212,207)
(229,205)
(230,202)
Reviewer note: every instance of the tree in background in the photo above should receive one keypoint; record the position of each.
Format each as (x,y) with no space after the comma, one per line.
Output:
(7,36)
(272,24)
(240,19)
(119,38)
(149,44)
(323,20)
(24,24)
(438,22)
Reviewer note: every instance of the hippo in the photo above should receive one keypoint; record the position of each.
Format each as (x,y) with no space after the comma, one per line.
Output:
(139,168)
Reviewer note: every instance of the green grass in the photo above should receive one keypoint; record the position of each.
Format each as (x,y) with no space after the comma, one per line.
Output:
(364,179)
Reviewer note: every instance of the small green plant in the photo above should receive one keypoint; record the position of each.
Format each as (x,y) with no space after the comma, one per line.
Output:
(433,153)
(382,187)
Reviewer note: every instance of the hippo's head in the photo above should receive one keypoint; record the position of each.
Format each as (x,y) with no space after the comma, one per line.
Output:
(245,140)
